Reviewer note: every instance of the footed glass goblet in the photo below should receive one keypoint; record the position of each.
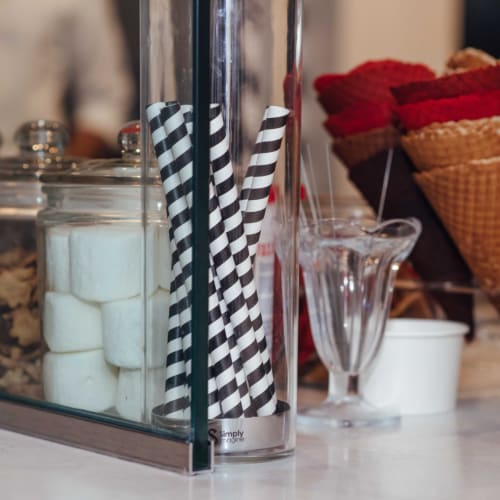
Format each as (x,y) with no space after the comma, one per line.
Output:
(349,267)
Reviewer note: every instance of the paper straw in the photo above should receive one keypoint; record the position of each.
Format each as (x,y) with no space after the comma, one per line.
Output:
(180,235)
(179,316)
(227,201)
(173,157)
(259,176)
(220,360)
(176,391)
(246,185)
(177,208)
(214,407)
(187,113)
(246,403)
(262,394)
(219,348)
(181,309)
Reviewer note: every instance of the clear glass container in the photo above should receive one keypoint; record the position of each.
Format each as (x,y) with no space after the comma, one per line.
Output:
(104,292)
(244,93)
(41,149)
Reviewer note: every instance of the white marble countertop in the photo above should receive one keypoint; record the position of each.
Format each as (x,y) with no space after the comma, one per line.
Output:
(447,457)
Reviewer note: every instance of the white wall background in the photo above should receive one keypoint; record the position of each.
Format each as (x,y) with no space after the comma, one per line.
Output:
(339,34)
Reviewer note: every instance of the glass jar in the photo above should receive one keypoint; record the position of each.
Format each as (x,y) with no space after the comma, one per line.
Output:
(104,291)
(248,83)
(41,149)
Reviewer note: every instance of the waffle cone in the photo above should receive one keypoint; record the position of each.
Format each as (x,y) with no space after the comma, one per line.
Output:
(354,149)
(468,59)
(467,199)
(452,143)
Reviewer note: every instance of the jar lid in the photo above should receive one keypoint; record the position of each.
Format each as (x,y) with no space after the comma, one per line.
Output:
(41,149)
(121,171)
(42,137)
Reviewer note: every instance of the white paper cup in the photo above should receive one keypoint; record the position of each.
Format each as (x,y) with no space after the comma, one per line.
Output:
(417,369)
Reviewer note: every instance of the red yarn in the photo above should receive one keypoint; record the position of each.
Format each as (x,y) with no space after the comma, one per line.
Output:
(465,107)
(368,83)
(359,119)
(466,82)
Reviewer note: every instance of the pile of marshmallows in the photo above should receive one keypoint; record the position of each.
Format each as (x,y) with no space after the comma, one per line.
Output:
(93,317)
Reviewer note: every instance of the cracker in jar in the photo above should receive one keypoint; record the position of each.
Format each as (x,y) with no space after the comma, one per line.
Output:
(25,326)
(16,286)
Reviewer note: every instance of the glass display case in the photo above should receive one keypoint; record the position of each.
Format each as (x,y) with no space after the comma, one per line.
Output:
(100,358)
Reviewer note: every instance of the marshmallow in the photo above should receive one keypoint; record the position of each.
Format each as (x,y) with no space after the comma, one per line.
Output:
(164,257)
(57,258)
(123,331)
(70,324)
(106,261)
(131,398)
(80,380)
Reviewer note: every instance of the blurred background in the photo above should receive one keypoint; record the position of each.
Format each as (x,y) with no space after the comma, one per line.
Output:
(86,55)
(338,34)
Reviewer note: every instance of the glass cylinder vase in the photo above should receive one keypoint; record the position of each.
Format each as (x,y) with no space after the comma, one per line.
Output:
(252,106)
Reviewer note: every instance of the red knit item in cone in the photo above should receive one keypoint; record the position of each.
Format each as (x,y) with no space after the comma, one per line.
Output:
(369,82)
(467,107)
(359,119)
(467,82)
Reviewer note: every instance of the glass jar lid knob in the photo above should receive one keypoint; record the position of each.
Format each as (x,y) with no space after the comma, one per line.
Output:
(129,139)
(42,137)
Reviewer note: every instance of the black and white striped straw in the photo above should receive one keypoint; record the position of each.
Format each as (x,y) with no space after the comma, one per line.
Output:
(247,180)
(226,195)
(259,176)
(262,395)
(177,390)
(180,312)
(180,238)
(214,403)
(175,382)
(220,360)
(246,402)
(248,409)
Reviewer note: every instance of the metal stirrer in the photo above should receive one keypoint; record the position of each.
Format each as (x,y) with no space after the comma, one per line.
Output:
(385,184)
